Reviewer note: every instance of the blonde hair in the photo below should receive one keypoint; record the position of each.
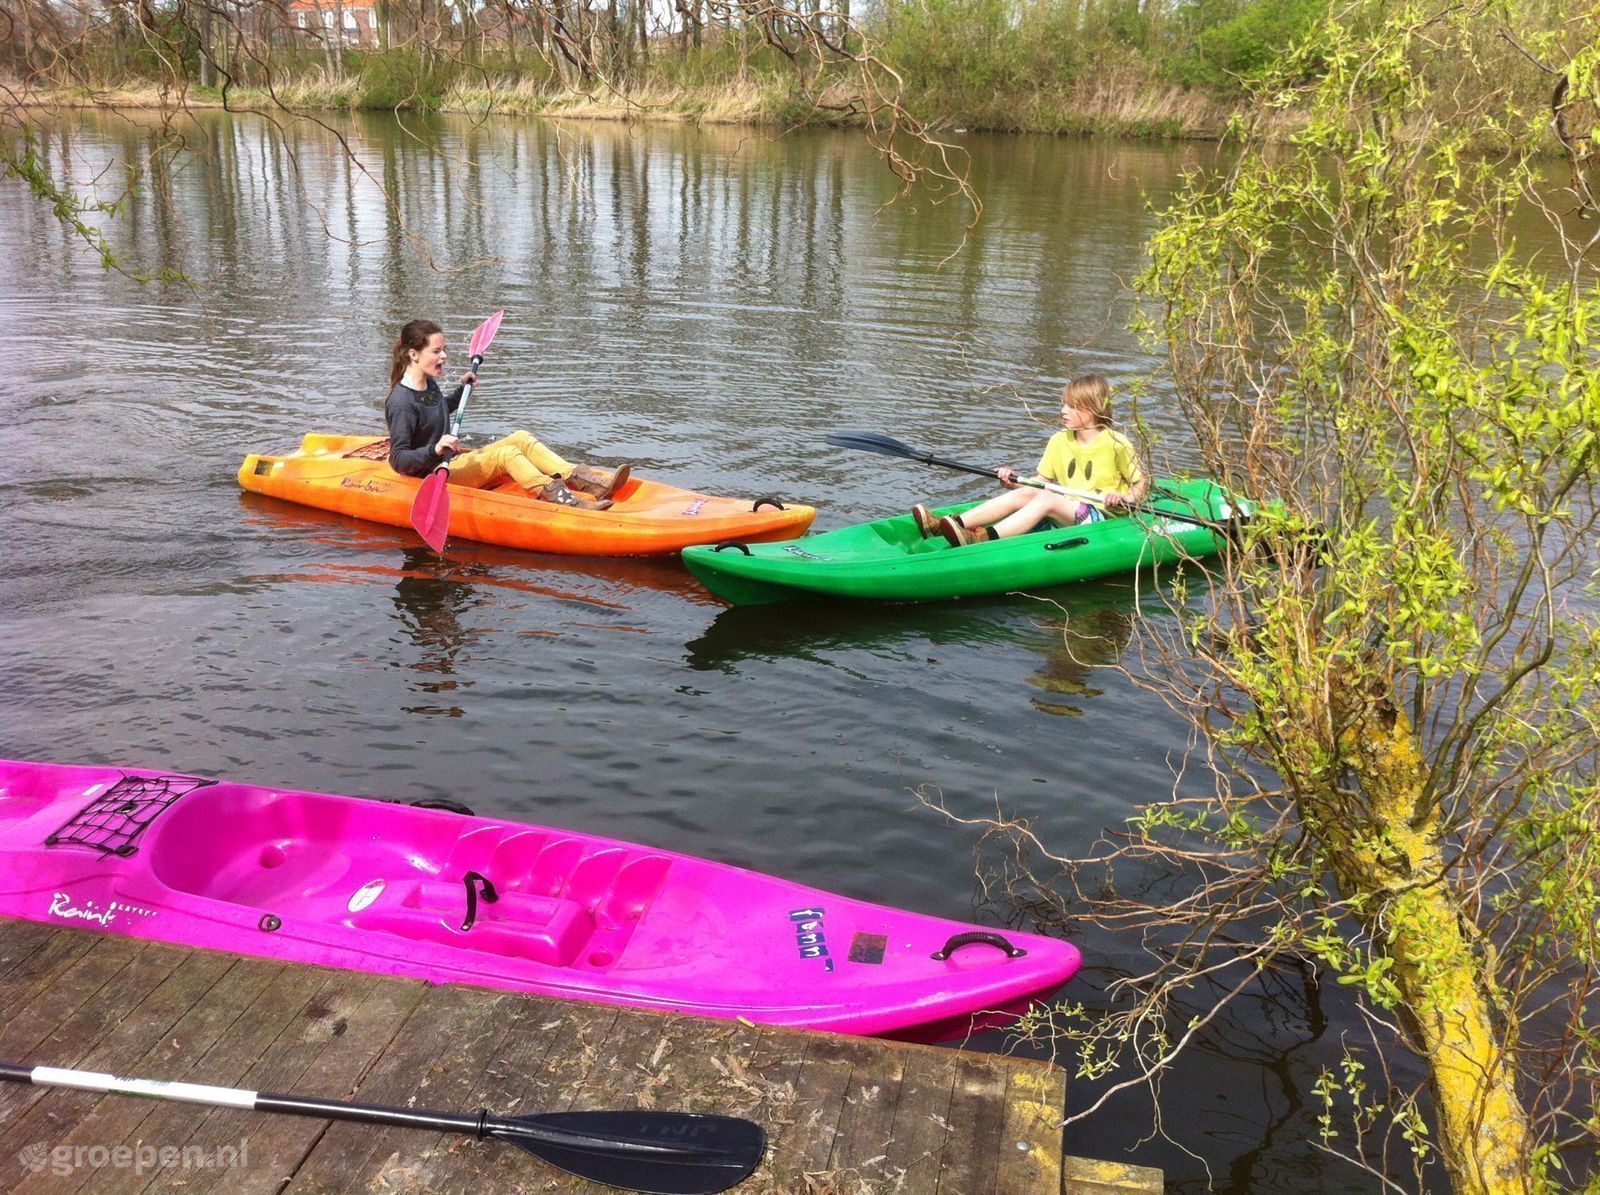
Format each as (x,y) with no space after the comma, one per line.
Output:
(1092,393)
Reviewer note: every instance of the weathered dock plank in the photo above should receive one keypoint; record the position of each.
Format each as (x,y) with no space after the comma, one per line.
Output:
(922,1119)
(1084,1176)
(1032,1110)
(434,1059)
(304,1023)
(977,1106)
(842,1114)
(214,1001)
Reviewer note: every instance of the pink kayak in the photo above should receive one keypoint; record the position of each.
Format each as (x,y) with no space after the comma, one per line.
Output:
(375,886)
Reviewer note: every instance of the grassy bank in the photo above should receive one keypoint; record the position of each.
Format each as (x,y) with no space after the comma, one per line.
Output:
(1123,108)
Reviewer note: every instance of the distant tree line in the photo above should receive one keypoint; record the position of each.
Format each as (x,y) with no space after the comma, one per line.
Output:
(960,58)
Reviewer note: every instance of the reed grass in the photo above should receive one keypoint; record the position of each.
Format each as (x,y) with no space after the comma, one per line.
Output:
(1105,106)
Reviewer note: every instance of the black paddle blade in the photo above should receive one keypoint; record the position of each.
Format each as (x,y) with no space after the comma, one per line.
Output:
(889,446)
(874,442)
(674,1153)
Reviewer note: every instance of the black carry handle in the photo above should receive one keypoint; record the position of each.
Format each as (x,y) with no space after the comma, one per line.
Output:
(972,937)
(489,896)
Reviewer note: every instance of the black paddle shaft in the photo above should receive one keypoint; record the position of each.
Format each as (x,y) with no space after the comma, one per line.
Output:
(645,1139)
(410,1118)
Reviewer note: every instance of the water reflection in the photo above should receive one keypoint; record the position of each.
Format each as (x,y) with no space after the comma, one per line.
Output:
(649,275)
(1091,637)
(430,599)
(1074,631)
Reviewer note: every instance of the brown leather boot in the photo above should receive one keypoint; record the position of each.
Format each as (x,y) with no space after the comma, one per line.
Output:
(558,493)
(927,525)
(596,482)
(958,533)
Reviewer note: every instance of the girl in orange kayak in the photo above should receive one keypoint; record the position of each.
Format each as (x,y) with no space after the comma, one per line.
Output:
(418,412)
(1086,455)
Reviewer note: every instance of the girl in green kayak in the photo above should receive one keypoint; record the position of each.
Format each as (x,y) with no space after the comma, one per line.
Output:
(417,412)
(1085,455)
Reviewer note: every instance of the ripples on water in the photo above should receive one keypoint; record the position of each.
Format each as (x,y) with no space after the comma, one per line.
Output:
(706,303)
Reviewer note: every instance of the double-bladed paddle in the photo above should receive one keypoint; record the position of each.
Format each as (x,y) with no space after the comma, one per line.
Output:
(675,1153)
(430,510)
(889,446)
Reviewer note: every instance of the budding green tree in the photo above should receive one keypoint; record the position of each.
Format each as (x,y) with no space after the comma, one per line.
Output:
(1382,314)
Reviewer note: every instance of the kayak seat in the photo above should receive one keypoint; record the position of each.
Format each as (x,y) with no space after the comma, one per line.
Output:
(518,925)
(372,450)
(615,884)
(902,534)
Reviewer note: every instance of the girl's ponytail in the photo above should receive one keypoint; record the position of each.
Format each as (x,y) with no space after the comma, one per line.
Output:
(414,335)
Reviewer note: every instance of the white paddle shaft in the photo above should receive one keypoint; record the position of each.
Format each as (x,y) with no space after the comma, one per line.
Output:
(188,1093)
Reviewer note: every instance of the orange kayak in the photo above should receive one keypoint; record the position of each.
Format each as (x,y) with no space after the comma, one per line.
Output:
(351,476)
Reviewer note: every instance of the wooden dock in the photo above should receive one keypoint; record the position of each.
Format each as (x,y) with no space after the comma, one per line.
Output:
(842,1114)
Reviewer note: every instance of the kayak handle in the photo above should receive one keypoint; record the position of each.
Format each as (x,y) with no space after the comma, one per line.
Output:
(731,543)
(972,937)
(769,500)
(489,896)
(1076,541)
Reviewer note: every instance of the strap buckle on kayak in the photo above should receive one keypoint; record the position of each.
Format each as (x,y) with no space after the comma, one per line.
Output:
(731,543)
(769,500)
(972,937)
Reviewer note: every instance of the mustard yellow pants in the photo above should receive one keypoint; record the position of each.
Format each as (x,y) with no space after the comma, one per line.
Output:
(519,456)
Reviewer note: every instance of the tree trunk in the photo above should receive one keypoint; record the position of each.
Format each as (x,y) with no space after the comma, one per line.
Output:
(327,38)
(1389,861)
(470,50)
(208,70)
(25,20)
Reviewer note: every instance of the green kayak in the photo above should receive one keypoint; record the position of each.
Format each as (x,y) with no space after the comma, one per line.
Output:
(888,561)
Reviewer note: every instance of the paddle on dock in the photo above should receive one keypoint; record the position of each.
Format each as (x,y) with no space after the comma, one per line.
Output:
(675,1153)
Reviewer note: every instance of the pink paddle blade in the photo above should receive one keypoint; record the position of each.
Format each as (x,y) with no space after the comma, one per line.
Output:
(430,510)
(484,334)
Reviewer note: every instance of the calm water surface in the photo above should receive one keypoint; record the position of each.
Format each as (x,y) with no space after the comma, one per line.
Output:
(708,304)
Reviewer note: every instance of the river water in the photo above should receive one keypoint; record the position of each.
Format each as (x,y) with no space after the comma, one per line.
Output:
(708,304)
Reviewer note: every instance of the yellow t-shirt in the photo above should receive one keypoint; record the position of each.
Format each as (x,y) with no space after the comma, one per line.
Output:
(1107,462)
